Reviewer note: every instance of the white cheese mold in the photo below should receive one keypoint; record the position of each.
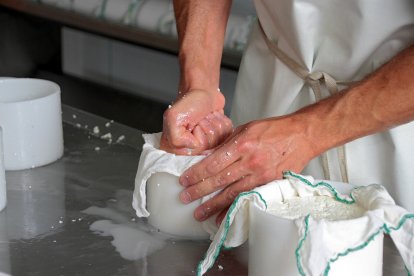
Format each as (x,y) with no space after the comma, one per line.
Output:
(31,119)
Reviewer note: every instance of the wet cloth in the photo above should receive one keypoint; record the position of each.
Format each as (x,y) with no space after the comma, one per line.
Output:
(321,242)
(154,160)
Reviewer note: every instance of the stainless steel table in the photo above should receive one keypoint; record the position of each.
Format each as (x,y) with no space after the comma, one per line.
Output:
(43,231)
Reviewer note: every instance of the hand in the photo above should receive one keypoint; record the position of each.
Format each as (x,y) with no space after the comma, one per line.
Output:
(255,154)
(195,123)
(209,133)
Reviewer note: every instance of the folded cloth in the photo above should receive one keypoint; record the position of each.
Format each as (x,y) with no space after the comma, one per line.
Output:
(117,10)
(314,255)
(150,14)
(154,160)
(89,7)
(65,4)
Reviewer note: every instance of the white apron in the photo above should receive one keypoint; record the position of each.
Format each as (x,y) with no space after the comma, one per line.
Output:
(348,40)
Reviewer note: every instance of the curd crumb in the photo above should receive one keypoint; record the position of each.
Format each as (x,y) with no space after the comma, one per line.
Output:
(96,130)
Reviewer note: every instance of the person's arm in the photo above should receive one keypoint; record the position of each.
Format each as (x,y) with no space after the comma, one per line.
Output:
(201,27)
(260,151)
(383,100)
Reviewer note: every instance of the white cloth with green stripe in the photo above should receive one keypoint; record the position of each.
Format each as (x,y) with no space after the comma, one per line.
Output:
(154,160)
(315,255)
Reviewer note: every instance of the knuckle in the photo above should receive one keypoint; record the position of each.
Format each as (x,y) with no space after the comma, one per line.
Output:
(245,146)
(174,141)
(255,162)
(231,195)
(168,114)
(266,176)
(220,181)
(212,167)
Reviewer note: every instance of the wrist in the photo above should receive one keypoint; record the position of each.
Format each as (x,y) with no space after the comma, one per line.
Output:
(320,127)
(198,73)
(334,121)
(212,98)
(198,79)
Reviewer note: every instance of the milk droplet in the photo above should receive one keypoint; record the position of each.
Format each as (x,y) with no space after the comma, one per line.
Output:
(96,130)
(107,136)
(120,139)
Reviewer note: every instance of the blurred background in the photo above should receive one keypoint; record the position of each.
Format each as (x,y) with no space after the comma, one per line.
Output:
(113,58)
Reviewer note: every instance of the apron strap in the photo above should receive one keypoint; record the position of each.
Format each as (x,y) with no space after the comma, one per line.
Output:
(315,81)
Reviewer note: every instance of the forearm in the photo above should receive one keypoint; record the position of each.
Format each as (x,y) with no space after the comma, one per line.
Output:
(201,28)
(383,100)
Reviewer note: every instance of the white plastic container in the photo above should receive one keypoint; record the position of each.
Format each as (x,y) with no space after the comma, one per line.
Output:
(30,115)
(167,213)
(3,188)
(273,241)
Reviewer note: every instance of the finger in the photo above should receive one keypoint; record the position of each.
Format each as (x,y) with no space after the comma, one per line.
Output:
(165,146)
(235,134)
(221,158)
(192,107)
(207,186)
(207,152)
(222,127)
(177,129)
(178,137)
(221,216)
(215,125)
(179,151)
(202,139)
(224,199)
(207,128)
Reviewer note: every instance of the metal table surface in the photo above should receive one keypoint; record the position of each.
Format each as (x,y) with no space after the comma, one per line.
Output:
(74,216)
(43,230)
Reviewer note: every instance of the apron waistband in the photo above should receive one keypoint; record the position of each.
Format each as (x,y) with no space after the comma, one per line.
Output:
(315,81)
